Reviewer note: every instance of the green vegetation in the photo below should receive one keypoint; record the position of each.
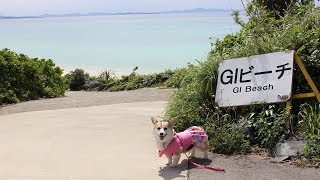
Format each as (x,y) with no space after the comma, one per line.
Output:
(272,26)
(105,77)
(23,78)
(266,124)
(310,128)
(76,79)
(226,136)
(107,81)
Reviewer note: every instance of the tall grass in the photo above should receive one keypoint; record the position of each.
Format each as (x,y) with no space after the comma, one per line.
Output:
(310,129)
(310,120)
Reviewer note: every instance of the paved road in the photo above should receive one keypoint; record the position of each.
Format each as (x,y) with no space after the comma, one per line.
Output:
(250,167)
(75,99)
(91,143)
(102,136)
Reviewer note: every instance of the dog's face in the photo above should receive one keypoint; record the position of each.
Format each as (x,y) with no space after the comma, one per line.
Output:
(163,130)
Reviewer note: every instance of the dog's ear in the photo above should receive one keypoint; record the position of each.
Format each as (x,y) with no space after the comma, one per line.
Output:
(154,120)
(172,122)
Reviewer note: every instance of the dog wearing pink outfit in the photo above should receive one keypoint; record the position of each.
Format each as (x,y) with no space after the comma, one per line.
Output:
(172,144)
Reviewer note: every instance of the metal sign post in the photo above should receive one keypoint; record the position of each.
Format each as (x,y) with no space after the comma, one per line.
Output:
(315,92)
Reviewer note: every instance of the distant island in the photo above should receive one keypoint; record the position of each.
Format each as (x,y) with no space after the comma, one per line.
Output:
(197,10)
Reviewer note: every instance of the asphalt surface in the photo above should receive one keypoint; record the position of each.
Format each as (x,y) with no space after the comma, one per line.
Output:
(250,167)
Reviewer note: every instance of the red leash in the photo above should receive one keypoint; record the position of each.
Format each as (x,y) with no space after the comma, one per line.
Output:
(202,166)
(205,167)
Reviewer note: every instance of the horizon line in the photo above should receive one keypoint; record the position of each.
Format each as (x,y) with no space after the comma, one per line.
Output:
(76,14)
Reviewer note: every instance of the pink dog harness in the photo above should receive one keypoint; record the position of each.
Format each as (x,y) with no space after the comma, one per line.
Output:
(192,136)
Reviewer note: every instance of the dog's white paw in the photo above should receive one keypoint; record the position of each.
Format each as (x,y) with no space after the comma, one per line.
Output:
(173,165)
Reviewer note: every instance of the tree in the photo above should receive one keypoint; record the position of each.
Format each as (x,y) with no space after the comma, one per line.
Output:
(278,7)
(77,79)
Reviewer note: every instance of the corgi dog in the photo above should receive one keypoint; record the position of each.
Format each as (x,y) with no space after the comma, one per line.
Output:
(172,144)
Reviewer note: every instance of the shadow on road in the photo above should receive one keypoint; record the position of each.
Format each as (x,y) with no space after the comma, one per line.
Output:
(169,173)
(200,161)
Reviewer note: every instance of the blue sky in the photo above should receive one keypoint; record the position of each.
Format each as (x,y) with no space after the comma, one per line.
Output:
(37,7)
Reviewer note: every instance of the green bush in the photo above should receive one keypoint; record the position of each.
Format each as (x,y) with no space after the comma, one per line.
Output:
(267,124)
(77,79)
(167,79)
(185,103)
(105,77)
(176,77)
(228,140)
(23,78)
(310,129)
(226,137)
(117,87)
(127,82)
(135,82)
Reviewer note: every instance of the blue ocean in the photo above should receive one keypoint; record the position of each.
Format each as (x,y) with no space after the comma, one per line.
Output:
(153,42)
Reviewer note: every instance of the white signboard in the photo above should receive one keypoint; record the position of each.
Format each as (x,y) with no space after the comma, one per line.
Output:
(263,78)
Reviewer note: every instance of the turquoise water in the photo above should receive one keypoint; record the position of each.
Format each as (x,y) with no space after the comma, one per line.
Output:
(151,42)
